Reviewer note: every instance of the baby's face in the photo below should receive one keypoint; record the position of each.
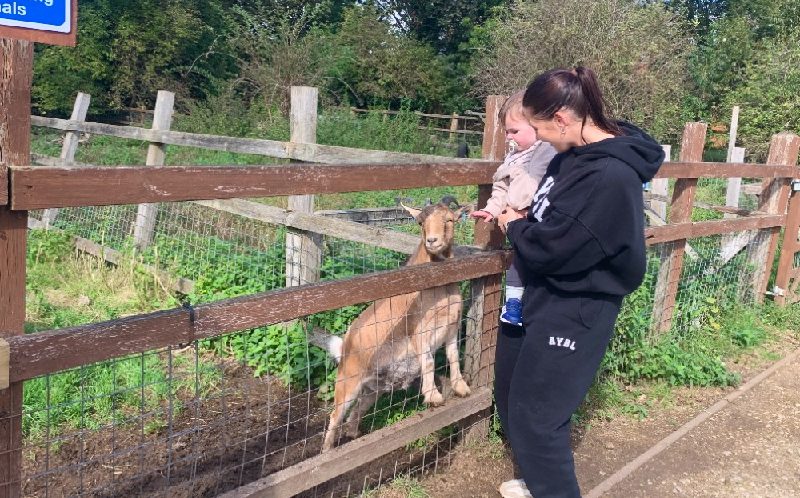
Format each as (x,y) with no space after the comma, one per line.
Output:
(520,131)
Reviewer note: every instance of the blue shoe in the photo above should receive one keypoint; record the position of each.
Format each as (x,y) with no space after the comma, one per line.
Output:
(512,312)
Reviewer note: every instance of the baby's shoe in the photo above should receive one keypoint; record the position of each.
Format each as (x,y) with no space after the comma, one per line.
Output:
(512,312)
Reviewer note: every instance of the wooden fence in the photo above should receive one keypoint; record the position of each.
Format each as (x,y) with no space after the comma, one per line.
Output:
(23,357)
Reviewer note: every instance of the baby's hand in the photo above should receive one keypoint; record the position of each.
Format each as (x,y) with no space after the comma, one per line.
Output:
(484,215)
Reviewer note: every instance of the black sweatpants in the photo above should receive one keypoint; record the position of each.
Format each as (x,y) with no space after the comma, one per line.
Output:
(542,374)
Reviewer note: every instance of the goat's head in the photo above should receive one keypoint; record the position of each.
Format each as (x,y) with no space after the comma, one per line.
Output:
(437,222)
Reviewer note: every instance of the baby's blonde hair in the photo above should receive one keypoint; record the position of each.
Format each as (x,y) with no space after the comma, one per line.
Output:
(512,106)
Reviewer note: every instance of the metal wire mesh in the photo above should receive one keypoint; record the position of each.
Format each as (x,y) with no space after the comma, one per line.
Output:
(215,414)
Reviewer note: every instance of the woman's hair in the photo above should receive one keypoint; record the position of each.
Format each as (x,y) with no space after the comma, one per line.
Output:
(512,106)
(576,90)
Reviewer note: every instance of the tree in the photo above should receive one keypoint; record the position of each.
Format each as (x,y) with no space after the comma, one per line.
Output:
(638,51)
(444,24)
(127,51)
(769,94)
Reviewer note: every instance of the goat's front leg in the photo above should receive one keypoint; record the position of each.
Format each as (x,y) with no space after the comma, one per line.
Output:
(460,386)
(430,393)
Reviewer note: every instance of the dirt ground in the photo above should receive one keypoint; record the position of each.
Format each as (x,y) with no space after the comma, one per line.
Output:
(750,448)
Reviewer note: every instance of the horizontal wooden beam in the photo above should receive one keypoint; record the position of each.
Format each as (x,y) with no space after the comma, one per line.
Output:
(46,352)
(348,230)
(318,469)
(330,154)
(725,170)
(36,187)
(683,231)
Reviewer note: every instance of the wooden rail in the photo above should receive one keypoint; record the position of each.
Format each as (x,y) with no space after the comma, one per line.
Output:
(39,187)
(349,456)
(46,352)
(315,153)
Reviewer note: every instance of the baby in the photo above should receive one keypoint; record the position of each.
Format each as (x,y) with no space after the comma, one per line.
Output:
(515,182)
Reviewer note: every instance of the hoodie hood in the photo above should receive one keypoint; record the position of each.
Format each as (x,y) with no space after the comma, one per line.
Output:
(635,148)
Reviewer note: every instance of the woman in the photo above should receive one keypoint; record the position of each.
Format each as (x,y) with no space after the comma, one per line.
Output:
(580,250)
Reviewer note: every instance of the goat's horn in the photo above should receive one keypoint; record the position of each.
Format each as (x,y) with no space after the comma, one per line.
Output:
(449,199)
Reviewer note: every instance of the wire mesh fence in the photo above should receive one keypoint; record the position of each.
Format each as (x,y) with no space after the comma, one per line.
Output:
(215,414)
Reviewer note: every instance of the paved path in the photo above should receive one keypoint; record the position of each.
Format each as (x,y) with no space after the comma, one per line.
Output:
(747,445)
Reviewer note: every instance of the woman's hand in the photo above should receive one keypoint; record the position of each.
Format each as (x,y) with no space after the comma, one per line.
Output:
(484,215)
(508,215)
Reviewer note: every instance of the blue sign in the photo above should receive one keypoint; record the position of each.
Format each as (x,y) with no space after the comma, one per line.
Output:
(41,15)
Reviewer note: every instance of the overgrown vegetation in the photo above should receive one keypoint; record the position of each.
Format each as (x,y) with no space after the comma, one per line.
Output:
(141,390)
(232,63)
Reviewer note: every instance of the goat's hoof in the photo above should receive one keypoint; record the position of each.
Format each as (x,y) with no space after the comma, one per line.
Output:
(435,398)
(461,388)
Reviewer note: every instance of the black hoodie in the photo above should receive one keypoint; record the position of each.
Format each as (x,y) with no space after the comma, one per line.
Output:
(584,233)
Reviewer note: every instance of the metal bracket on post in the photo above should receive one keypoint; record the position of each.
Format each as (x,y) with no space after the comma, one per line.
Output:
(796,185)
(5,361)
(777,291)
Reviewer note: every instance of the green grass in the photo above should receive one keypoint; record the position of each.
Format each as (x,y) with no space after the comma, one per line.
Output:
(64,291)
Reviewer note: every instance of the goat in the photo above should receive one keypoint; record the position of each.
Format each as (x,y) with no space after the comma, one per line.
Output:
(393,340)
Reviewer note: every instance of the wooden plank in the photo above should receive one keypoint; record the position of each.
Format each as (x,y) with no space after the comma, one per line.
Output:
(791,245)
(70,146)
(4,364)
(688,230)
(692,143)
(332,227)
(784,149)
(44,187)
(145,222)
(16,74)
(684,169)
(303,248)
(734,186)
(329,154)
(318,469)
(660,187)
(46,352)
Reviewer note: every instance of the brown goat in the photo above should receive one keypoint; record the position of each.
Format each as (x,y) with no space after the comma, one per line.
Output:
(392,342)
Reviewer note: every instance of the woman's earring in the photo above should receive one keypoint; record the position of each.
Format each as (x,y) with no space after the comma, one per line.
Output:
(563,131)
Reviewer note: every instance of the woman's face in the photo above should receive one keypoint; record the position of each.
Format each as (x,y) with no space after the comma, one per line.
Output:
(550,130)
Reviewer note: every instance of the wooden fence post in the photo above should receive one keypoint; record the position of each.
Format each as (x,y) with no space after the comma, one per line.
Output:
(660,187)
(788,279)
(303,249)
(453,126)
(783,150)
(483,314)
(692,144)
(69,147)
(16,64)
(145,223)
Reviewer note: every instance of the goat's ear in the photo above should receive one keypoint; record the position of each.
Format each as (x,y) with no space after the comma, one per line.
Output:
(412,211)
(463,211)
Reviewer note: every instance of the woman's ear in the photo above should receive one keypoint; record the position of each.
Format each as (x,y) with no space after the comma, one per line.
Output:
(562,118)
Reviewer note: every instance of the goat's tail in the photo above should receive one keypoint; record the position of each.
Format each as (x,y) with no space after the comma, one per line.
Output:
(329,342)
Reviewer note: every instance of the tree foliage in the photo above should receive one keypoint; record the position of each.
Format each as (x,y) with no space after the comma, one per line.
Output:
(639,51)
(127,52)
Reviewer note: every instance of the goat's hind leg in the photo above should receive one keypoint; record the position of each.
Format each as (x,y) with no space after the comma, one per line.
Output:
(345,394)
(362,405)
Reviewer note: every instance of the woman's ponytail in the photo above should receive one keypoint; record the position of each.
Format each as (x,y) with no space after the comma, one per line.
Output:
(575,89)
(595,103)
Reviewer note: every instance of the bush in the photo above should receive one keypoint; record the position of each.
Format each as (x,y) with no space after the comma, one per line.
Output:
(639,52)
